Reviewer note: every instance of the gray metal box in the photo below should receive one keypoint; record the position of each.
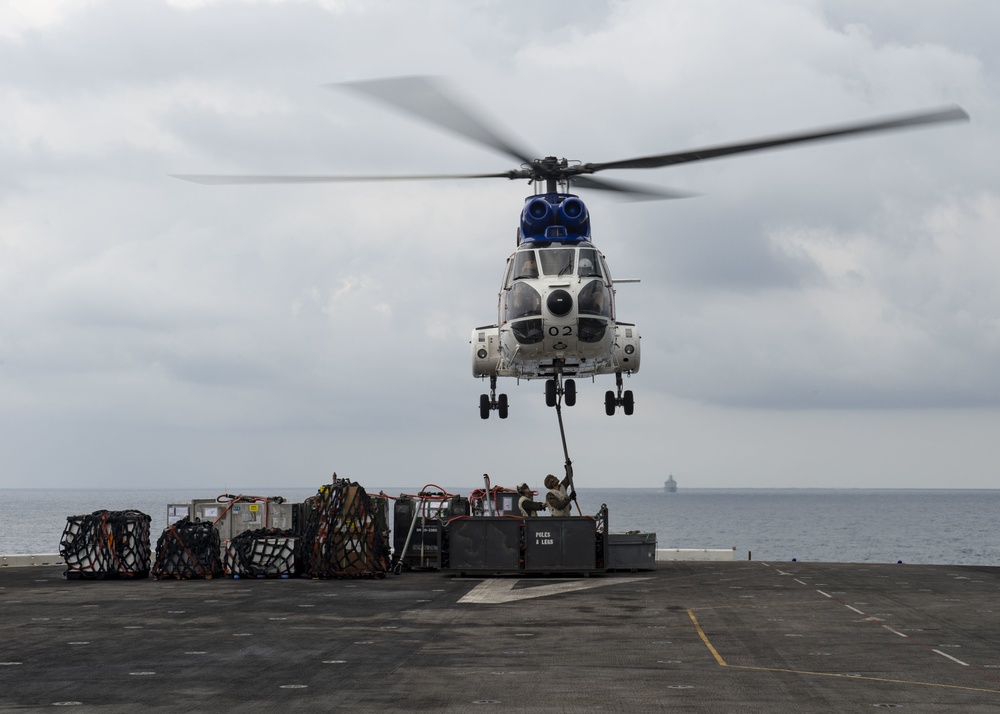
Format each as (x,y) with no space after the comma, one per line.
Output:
(177,511)
(281,515)
(560,543)
(211,511)
(484,544)
(631,551)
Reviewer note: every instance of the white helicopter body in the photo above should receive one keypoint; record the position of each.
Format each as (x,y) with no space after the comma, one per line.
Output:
(556,311)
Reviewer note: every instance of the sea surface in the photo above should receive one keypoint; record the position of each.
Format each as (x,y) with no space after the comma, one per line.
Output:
(955,527)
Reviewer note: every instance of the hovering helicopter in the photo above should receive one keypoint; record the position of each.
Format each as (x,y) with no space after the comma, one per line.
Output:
(556,317)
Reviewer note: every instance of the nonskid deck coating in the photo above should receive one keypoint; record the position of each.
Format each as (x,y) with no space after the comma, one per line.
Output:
(706,637)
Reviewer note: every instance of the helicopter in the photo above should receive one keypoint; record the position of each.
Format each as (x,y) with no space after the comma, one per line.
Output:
(556,312)
(556,316)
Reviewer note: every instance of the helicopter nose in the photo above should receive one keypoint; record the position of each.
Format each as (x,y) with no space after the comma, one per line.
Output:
(559,302)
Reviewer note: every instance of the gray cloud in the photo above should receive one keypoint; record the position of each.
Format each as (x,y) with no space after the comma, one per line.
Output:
(158,330)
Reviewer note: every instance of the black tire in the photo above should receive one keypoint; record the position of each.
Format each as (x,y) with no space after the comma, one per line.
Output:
(484,406)
(628,403)
(502,406)
(609,403)
(550,392)
(570,387)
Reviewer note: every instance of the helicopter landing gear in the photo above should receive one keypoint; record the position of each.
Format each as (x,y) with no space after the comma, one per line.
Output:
(553,391)
(569,389)
(625,399)
(491,401)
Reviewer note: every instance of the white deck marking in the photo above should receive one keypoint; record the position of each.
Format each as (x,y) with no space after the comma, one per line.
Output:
(953,659)
(895,632)
(500,590)
(799,581)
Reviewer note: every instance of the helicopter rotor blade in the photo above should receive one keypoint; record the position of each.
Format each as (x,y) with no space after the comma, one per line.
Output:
(427,98)
(629,191)
(953,113)
(233,180)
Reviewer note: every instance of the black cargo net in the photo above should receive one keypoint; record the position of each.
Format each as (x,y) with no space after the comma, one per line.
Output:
(263,553)
(342,537)
(188,550)
(106,545)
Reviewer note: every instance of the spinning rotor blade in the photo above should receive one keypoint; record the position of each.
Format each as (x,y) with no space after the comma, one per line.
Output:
(233,180)
(427,99)
(632,191)
(953,113)
(635,192)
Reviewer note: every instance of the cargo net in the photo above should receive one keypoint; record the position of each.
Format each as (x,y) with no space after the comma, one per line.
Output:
(263,553)
(106,545)
(188,550)
(342,537)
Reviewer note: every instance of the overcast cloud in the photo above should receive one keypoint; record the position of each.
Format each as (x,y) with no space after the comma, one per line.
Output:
(820,316)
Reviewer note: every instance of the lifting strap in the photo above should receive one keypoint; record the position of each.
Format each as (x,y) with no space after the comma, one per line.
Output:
(562,434)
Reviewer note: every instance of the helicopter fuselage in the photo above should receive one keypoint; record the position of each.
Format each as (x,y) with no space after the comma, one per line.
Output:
(556,307)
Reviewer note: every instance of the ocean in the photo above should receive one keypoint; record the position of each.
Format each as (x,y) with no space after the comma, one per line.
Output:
(954,527)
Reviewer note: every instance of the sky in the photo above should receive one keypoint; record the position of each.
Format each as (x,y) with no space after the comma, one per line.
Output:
(823,316)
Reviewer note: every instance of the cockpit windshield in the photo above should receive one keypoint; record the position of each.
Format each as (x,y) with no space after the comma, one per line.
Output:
(558,261)
(522,301)
(590,266)
(525,265)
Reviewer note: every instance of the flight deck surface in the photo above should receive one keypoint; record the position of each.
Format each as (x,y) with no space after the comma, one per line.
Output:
(707,637)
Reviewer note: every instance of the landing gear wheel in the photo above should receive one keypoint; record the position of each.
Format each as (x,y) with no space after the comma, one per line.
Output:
(609,403)
(550,392)
(570,388)
(484,406)
(628,403)
(502,406)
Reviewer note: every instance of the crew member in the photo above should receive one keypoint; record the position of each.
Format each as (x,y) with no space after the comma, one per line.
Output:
(559,502)
(525,505)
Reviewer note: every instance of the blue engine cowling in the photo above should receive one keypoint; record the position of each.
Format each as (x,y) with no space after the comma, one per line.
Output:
(554,217)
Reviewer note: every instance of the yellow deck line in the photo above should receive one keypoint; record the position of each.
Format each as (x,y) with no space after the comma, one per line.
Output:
(722,663)
(704,638)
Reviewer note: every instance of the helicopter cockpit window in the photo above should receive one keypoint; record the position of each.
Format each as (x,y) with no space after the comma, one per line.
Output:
(594,300)
(525,265)
(523,301)
(558,261)
(589,266)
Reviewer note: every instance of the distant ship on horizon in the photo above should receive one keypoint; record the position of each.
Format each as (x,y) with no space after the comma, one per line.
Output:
(670,486)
